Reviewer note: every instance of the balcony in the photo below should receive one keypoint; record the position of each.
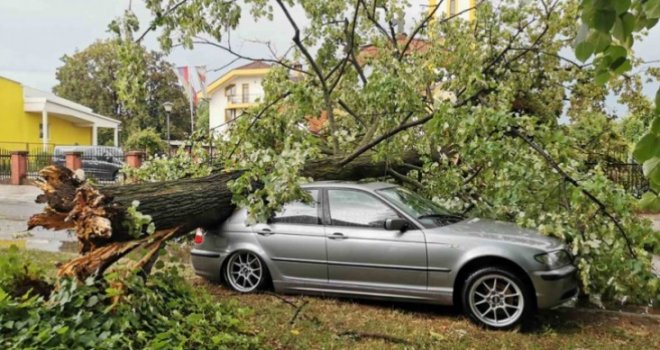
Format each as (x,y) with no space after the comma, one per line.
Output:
(244,99)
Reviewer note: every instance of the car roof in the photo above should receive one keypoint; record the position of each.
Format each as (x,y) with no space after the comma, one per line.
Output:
(370,186)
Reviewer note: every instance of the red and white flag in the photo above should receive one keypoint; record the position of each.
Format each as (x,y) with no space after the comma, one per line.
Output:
(183,73)
(201,75)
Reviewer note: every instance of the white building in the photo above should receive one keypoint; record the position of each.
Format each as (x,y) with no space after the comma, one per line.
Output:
(234,92)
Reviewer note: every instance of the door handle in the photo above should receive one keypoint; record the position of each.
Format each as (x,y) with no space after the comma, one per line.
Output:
(265,231)
(337,235)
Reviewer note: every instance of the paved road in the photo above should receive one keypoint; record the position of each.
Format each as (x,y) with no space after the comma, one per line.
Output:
(16,206)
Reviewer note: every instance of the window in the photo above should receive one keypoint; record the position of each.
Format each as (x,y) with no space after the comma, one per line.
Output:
(246,93)
(452,7)
(299,212)
(230,114)
(356,208)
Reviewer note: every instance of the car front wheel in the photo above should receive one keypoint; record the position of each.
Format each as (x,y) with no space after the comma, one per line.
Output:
(496,298)
(245,272)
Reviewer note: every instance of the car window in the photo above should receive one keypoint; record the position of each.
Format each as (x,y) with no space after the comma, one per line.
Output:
(357,208)
(299,212)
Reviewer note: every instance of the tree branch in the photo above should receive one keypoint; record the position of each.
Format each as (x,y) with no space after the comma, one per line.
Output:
(553,164)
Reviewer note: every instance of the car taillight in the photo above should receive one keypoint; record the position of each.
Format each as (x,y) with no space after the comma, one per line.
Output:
(199,236)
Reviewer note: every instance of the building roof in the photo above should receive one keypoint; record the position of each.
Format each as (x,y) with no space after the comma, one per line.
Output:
(255,68)
(37,101)
(254,65)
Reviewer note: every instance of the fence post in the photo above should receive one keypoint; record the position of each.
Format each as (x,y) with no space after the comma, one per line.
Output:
(73,160)
(18,167)
(134,159)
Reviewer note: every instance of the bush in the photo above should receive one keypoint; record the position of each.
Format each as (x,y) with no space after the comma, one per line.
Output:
(19,277)
(162,313)
(146,140)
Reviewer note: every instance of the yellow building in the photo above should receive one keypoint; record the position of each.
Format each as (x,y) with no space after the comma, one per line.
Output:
(461,8)
(30,117)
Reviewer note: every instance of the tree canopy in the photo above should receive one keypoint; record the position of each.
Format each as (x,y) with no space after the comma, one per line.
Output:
(90,77)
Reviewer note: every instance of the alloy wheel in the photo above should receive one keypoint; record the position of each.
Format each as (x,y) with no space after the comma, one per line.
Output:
(245,272)
(496,300)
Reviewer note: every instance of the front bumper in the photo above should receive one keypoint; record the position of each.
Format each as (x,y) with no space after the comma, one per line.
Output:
(207,263)
(555,287)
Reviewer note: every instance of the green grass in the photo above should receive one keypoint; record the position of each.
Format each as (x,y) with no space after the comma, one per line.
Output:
(305,322)
(328,323)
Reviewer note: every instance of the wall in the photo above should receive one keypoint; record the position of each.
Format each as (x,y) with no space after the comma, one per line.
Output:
(18,127)
(218,102)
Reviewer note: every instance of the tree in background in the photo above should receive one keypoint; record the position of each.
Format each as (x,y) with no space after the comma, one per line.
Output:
(608,33)
(90,77)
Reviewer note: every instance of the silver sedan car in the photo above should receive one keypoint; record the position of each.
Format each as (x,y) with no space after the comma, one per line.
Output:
(378,240)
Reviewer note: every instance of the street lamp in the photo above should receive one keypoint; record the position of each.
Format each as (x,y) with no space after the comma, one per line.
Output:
(168,108)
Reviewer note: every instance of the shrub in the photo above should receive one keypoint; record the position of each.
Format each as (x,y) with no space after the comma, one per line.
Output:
(146,140)
(162,313)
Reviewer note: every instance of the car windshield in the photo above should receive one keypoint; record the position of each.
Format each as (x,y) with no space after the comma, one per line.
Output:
(425,211)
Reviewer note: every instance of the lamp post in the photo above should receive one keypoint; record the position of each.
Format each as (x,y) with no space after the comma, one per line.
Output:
(168,108)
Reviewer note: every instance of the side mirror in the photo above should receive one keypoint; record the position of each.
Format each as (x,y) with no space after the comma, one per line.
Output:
(396,224)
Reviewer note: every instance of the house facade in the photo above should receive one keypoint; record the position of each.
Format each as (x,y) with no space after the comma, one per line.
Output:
(32,117)
(460,8)
(233,93)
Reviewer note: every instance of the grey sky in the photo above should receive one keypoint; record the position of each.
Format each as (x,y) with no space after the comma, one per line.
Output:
(36,33)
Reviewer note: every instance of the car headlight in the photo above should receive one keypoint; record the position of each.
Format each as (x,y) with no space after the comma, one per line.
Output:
(554,260)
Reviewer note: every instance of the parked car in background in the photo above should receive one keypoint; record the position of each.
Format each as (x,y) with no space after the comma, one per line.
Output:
(99,162)
(377,240)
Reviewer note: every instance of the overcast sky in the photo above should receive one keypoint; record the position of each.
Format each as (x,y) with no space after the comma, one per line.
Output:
(35,34)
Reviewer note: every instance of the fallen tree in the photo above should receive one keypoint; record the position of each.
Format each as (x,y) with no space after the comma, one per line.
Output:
(100,216)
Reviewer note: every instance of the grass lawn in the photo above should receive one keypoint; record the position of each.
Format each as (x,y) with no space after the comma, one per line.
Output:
(305,322)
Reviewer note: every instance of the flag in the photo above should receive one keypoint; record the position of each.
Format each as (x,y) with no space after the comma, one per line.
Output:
(184,78)
(201,75)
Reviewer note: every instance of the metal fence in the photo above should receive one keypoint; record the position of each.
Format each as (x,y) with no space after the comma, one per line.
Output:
(623,170)
(100,163)
(5,164)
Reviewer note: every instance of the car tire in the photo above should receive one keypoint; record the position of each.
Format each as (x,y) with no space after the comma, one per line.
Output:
(495,298)
(245,272)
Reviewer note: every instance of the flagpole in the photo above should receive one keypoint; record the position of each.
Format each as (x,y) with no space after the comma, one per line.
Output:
(192,120)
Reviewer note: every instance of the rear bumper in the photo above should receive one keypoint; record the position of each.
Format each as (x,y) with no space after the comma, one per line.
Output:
(207,263)
(555,287)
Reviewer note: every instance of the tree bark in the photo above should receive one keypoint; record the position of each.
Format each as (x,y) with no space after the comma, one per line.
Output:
(97,215)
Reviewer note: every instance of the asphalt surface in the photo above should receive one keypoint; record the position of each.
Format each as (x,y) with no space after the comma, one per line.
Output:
(16,206)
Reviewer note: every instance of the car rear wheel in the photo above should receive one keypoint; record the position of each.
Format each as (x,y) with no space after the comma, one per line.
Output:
(245,272)
(496,298)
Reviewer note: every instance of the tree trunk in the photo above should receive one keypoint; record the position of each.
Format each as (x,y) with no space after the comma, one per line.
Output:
(97,215)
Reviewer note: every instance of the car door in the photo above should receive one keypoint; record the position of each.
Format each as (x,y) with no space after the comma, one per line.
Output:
(294,239)
(362,253)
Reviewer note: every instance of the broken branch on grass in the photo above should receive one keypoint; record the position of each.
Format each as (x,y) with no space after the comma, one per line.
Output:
(366,335)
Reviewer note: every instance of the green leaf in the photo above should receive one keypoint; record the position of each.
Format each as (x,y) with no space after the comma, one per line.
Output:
(657,101)
(599,40)
(652,8)
(655,126)
(615,52)
(600,19)
(651,168)
(584,50)
(623,27)
(602,77)
(647,147)
(650,202)
(621,6)
(621,66)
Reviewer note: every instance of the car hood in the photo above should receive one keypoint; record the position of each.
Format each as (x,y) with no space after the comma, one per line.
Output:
(504,232)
